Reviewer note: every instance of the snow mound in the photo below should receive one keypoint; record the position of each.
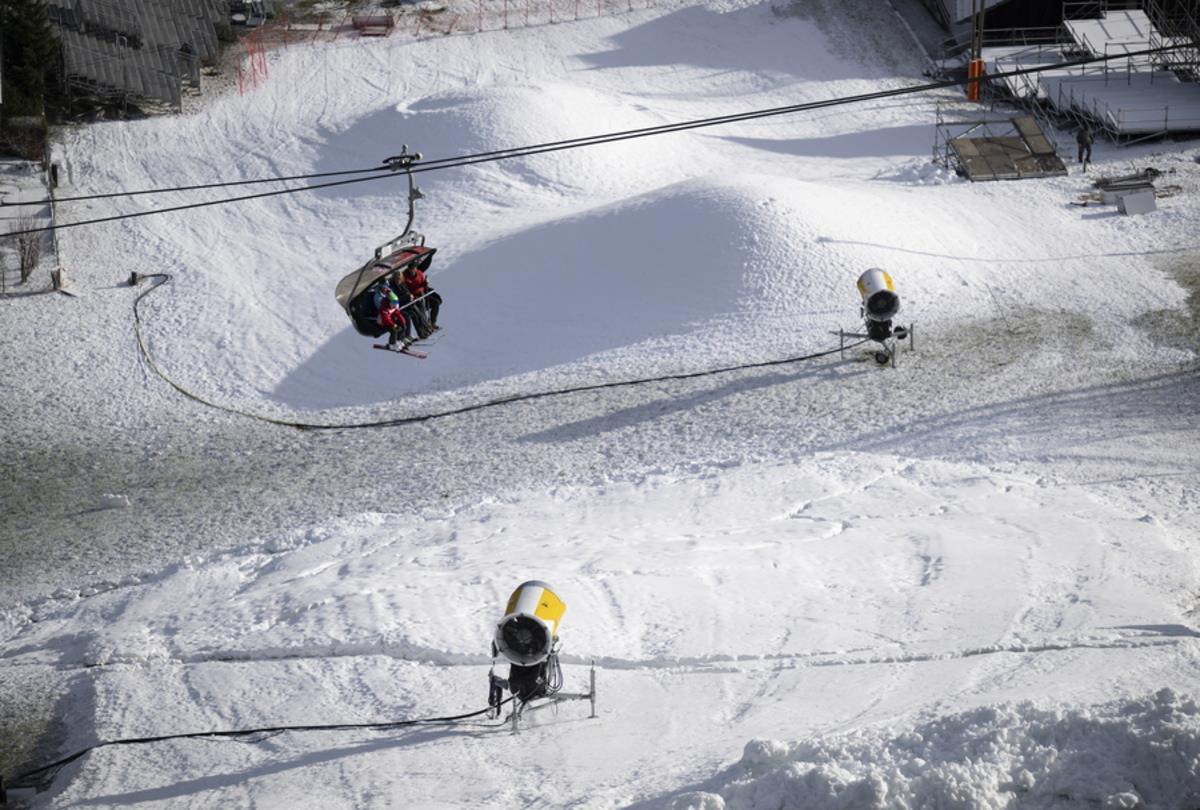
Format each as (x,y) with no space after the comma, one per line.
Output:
(1137,753)
(922,173)
(486,119)
(674,262)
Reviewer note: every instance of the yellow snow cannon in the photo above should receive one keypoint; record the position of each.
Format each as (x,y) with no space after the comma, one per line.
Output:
(527,636)
(880,304)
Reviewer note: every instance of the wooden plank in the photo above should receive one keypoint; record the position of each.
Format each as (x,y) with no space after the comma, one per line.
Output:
(965,147)
(1026,125)
(1039,145)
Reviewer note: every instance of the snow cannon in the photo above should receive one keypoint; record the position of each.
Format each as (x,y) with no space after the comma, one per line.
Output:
(880,304)
(527,636)
(879,300)
(528,633)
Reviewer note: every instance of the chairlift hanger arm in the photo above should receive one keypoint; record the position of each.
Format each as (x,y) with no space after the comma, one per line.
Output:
(403,162)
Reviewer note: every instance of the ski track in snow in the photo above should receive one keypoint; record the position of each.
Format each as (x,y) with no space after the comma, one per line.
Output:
(972,579)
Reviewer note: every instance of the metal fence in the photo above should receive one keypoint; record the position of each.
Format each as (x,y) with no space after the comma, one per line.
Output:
(425,21)
(431,19)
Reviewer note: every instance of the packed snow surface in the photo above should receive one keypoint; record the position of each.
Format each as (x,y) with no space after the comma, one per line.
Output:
(970,581)
(743,603)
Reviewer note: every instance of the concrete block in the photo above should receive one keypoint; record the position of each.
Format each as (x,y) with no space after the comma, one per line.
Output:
(1136,202)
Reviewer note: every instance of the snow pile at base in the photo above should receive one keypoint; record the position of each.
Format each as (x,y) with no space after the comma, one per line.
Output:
(1141,753)
(923,173)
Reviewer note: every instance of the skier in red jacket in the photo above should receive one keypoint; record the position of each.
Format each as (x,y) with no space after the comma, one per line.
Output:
(392,319)
(418,286)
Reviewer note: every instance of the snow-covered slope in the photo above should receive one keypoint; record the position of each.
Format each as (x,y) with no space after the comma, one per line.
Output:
(968,582)
(611,261)
(775,601)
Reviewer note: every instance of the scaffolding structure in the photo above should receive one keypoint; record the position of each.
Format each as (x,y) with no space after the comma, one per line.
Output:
(1126,97)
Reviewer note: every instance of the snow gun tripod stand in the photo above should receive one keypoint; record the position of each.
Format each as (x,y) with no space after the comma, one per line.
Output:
(888,340)
(540,682)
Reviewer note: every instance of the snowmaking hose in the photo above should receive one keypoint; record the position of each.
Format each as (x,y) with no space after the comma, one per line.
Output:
(18,780)
(478,406)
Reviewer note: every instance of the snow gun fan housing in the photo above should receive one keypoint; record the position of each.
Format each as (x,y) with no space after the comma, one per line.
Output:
(528,633)
(880,303)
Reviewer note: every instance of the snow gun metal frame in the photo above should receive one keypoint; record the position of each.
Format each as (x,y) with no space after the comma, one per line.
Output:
(880,304)
(528,637)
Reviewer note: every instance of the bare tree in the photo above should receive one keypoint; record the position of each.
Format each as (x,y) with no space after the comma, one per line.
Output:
(8,247)
(29,247)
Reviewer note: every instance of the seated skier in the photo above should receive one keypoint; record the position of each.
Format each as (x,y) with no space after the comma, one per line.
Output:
(418,288)
(418,324)
(391,318)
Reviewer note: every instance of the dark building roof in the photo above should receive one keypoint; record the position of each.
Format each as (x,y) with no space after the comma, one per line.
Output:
(141,48)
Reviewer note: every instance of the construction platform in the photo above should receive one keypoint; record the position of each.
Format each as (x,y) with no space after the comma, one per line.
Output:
(1000,149)
(1129,97)
(1130,104)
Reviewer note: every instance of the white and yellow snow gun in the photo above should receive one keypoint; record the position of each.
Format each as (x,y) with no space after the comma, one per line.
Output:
(880,305)
(527,636)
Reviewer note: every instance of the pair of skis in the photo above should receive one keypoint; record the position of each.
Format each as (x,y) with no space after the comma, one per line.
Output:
(420,355)
(401,350)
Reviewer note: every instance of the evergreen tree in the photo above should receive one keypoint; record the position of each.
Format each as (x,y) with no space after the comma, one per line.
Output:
(30,53)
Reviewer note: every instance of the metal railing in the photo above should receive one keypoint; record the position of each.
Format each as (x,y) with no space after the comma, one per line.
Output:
(1091,9)
(1178,26)
(946,131)
(998,37)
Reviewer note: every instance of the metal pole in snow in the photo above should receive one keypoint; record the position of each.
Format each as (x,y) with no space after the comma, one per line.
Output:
(592,692)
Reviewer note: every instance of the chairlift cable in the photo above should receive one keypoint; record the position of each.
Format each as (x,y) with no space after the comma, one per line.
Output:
(202,186)
(612,137)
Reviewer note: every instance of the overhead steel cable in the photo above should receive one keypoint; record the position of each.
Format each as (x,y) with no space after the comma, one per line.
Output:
(205,204)
(201,186)
(610,137)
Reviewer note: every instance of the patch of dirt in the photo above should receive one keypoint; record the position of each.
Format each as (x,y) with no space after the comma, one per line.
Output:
(1178,328)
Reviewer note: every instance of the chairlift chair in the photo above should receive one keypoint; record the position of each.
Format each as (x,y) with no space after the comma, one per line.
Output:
(354,292)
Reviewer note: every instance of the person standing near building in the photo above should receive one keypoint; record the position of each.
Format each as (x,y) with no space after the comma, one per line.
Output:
(1084,139)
